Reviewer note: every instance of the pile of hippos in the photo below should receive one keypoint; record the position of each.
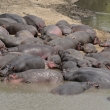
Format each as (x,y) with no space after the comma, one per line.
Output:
(28,46)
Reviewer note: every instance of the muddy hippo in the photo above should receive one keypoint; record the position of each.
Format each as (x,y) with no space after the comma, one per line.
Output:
(23,63)
(14,17)
(44,51)
(51,30)
(35,21)
(13,28)
(88,48)
(36,76)
(71,88)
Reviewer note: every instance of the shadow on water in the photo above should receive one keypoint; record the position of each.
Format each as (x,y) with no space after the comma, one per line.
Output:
(102,18)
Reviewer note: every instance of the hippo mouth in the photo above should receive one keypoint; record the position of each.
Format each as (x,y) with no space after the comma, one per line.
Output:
(51,65)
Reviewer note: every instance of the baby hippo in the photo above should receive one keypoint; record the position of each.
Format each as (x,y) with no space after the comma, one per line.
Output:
(36,76)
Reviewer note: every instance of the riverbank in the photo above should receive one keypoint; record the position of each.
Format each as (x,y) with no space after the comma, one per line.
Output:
(47,10)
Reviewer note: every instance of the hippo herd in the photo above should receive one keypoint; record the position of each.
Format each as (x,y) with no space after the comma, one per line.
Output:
(33,52)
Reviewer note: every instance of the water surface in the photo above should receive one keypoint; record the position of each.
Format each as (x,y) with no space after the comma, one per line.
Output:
(101,20)
(37,97)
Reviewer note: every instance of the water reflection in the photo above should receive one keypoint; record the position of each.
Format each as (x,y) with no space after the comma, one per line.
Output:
(102,9)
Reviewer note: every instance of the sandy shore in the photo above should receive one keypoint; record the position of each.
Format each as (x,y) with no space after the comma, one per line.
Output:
(44,9)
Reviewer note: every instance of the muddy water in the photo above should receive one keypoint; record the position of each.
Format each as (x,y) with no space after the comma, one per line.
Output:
(101,20)
(37,97)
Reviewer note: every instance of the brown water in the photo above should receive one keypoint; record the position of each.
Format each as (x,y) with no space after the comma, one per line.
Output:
(102,18)
(37,97)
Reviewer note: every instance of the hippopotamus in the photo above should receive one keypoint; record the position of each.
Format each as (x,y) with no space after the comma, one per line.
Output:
(106,49)
(48,37)
(54,62)
(3,31)
(63,22)
(33,41)
(88,48)
(66,56)
(24,33)
(35,21)
(74,53)
(13,28)
(6,21)
(83,37)
(36,76)
(68,65)
(86,28)
(105,43)
(22,63)
(95,63)
(51,30)
(59,43)
(87,74)
(7,57)
(108,98)
(104,61)
(71,88)
(44,51)
(65,29)
(11,41)
(14,17)
(64,26)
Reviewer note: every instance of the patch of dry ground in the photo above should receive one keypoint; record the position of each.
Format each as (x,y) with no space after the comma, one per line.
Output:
(43,9)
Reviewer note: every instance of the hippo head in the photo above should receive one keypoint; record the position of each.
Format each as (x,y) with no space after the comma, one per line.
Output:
(8,69)
(104,44)
(4,71)
(13,78)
